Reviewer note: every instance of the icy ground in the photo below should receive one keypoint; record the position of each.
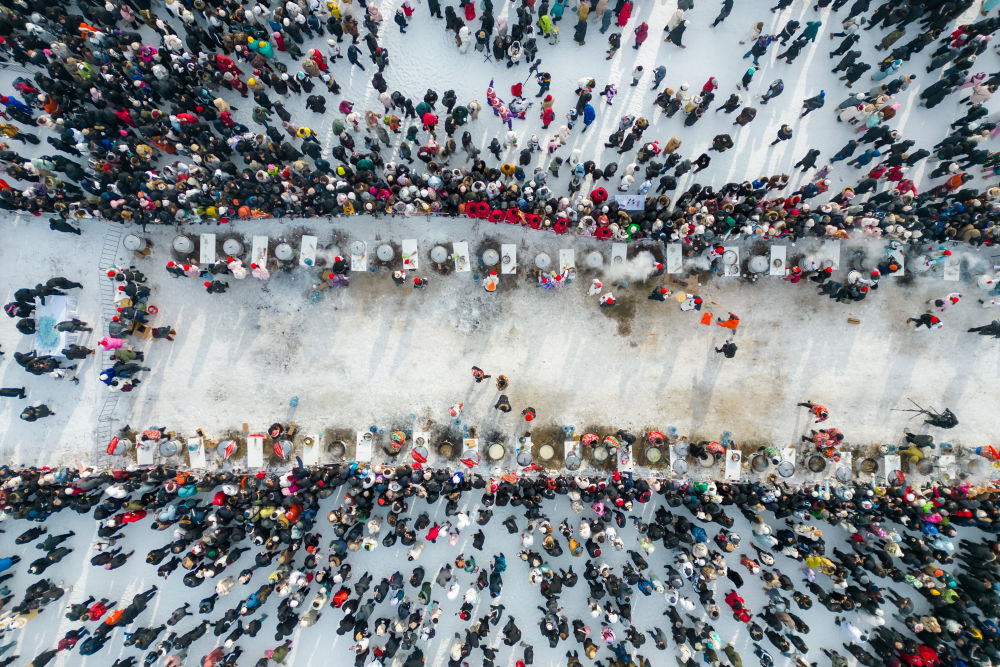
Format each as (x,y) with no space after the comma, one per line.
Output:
(378,354)
(316,645)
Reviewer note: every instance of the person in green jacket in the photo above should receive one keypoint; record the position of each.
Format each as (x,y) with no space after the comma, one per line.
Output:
(811,31)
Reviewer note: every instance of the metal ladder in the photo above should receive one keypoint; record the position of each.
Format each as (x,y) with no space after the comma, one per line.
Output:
(105,416)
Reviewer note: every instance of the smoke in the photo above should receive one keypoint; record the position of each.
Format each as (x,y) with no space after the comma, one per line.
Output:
(637,269)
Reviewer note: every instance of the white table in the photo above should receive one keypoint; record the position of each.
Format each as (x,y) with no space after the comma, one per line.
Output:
(307,251)
(675,258)
(460,253)
(145,452)
(196,453)
(255,451)
(258,251)
(619,253)
(829,252)
(731,270)
(206,246)
(778,252)
(359,262)
(892,464)
(952,268)
(567,259)
(411,258)
(734,463)
(310,455)
(508,251)
(363,449)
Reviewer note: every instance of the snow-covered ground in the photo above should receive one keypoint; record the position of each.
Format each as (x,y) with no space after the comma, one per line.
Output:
(377,354)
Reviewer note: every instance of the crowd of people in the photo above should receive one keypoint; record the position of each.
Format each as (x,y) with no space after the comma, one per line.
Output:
(137,102)
(913,574)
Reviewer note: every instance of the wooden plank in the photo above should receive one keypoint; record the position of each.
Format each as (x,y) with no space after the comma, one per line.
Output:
(411,258)
(307,251)
(207,250)
(255,451)
(258,250)
(460,253)
(508,258)
(778,253)
(675,258)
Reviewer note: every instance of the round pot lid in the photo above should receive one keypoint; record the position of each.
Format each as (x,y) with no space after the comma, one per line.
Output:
(496,451)
(759,463)
(729,258)
(133,242)
(232,247)
(183,244)
(543,261)
(546,452)
(169,448)
(786,469)
(844,474)
(284,252)
(385,253)
(654,454)
(600,453)
(682,448)
(357,248)
(707,460)
(817,463)
(524,458)
(573,461)
(680,466)
(758,264)
(595,259)
(491,257)
(438,254)
(338,449)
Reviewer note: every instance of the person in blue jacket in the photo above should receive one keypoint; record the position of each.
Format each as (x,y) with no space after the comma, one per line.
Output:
(9,562)
(588,116)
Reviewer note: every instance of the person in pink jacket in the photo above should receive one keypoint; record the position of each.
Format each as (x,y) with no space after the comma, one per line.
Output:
(111,343)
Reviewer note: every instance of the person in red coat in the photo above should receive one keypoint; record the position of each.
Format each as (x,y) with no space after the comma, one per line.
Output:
(625,14)
(548,115)
(641,33)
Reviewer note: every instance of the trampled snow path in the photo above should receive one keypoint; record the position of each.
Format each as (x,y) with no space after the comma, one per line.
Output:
(388,356)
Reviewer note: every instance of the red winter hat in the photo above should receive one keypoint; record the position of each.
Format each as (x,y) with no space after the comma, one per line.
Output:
(207,283)
(114,319)
(864,288)
(169,264)
(493,272)
(338,258)
(111,273)
(416,281)
(119,309)
(719,249)
(658,266)
(934,320)
(663,290)
(528,417)
(187,267)
(697,299)
(955,299)
(875,273)
(228,260)
(829,269)
(947,253)
(330,276)
(121,288)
